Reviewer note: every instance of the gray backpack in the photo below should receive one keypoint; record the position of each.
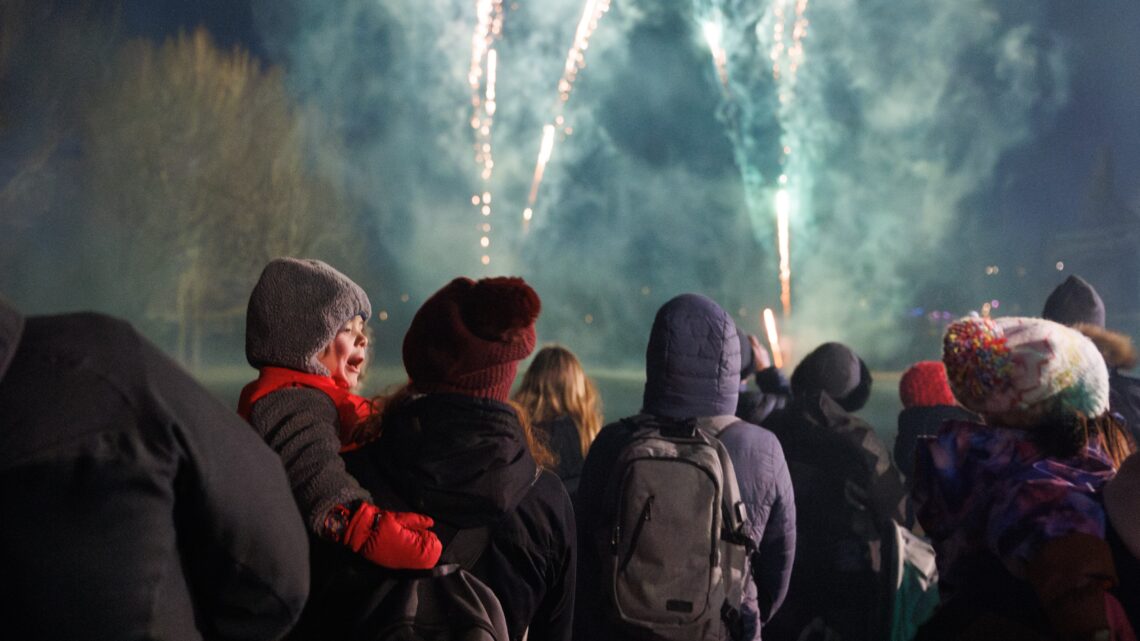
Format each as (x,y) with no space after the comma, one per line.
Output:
(675,564)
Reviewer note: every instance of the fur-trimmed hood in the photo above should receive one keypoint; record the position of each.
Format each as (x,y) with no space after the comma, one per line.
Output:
(1116,348)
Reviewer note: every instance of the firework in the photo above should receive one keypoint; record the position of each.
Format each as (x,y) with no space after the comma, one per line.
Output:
(714,33)
(539,168)
(592,13)
(783,211)
(773,338)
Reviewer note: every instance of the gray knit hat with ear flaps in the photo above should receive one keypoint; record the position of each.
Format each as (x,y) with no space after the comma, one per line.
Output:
(295,310)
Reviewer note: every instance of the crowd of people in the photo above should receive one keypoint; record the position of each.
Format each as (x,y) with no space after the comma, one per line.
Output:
(738,504)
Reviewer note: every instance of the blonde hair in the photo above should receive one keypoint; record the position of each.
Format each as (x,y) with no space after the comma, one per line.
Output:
(556,385)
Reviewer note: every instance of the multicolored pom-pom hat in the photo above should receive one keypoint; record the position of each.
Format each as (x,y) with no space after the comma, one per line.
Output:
(1020,368)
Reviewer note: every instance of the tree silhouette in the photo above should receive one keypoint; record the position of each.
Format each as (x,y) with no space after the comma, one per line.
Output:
(198,173)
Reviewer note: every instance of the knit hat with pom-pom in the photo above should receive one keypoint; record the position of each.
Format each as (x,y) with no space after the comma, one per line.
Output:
(469,337)
(924,384)
(1016,368)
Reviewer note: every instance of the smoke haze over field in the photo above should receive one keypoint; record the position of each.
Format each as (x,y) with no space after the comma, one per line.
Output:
(928,141)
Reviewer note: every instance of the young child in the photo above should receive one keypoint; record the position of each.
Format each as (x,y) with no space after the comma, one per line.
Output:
(305,333)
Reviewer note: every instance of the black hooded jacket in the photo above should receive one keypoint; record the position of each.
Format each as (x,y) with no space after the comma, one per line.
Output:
(464,462)
(135,504)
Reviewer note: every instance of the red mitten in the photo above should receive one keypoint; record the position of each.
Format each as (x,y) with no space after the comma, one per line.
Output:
(398,540)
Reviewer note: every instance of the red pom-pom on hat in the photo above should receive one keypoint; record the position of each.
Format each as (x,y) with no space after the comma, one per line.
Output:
(494,308)
(469,337)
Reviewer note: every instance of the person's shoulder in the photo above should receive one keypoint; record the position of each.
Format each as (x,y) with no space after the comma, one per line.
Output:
(752,443)
(82,332)
(294,400)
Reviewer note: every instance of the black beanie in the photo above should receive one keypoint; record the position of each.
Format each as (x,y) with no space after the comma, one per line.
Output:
(1074,301)
(835,369)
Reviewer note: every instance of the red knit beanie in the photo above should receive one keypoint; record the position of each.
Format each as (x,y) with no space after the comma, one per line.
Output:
(469,337)
(925,385)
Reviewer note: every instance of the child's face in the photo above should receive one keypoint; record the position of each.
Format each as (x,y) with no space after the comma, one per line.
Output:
(345,354)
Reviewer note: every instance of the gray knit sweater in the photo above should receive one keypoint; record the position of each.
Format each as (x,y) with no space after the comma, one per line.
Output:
(300,424)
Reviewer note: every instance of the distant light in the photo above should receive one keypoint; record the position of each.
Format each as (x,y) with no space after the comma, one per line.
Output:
(486,260)
(383,315)
(486,227)
(995,303)
(528,213)
(1060,265)
(486,197)
(742,312)
(475,200)
(783,179)
(485,242)
(404,298)
(645,290)
(917,311)
(589,318)
(486,210)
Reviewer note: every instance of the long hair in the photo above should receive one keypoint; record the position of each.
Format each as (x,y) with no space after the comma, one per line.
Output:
(555,385)
(392,401)
(1066,435)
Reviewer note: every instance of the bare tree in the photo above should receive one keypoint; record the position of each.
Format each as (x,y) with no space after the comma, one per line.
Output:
(198,167)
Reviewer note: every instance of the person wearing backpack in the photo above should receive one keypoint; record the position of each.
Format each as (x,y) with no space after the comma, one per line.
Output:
(686,514)
(453,447)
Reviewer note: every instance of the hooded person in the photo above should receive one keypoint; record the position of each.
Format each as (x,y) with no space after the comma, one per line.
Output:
(693,373)
(1012,506)
(1077,304)
(454,447)
(305,334)
(136,505)
(847,491)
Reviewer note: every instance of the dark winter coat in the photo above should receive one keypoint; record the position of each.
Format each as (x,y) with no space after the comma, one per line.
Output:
(693,372)
(846,488)
(136,504)
(464,462)
(561,436)
(916,422)
(301,425)
(1124,399)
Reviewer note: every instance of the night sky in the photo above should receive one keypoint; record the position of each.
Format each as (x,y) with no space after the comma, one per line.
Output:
(929,141)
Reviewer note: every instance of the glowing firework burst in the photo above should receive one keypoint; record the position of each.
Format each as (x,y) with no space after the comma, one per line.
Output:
(783,25)
(592,14)
(783,211)
(488,28)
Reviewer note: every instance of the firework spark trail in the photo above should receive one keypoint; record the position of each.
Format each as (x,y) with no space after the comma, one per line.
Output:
(785,52)
(544,152)
(783,210)
(592,13)
(714,36)
(488,28)
(773,338)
